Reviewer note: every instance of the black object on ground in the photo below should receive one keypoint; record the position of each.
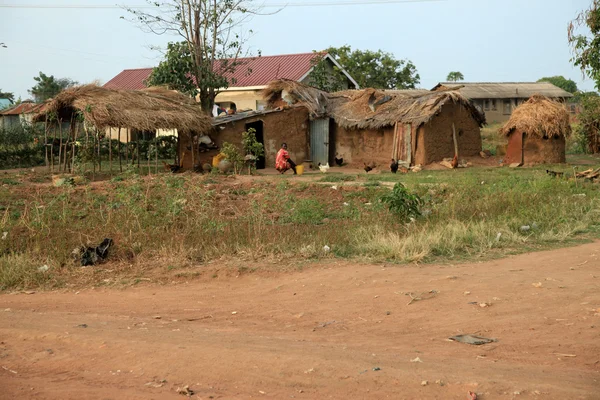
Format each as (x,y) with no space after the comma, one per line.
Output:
(91,255)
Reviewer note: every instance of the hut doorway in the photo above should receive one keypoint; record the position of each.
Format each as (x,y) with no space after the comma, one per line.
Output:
(260,138)
(319,140)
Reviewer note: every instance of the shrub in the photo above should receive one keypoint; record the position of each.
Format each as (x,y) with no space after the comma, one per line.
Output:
(401,202)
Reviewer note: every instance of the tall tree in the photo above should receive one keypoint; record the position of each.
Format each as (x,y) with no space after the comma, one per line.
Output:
(7,95)
(584,38)
(48,86)
(455,76)
(561,82)
(376,69)
(210,47)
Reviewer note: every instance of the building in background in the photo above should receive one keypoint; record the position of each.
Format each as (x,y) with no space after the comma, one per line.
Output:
(498,99)
(252,75)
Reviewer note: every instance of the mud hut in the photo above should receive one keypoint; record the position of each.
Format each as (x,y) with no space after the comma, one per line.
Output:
(415,126)
(536,132)
(290,108)
(102,109)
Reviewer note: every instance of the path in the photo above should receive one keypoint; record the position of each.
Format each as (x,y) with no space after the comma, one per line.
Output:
(317,334)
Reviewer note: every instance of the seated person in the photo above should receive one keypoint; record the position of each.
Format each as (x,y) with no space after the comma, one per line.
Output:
(283,162)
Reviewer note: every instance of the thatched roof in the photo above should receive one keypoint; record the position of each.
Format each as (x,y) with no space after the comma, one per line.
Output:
(368,108)
(147,110)
(539,116)
(375,109)
(282,91)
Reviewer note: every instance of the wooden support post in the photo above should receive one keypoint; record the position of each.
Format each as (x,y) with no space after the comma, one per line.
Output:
(75,135)
(46,141)
(119,140)
(110,151)
(60,145)
(455,141)
(156,152)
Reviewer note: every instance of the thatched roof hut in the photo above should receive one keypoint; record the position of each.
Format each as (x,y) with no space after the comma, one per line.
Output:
(540,117)
(537,132)
(148,110)
(285,92)
(376,109)
(368,108)
(372,124)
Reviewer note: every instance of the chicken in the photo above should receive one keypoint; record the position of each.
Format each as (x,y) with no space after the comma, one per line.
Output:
(339,161)
(455,161)
(394,166)
(369,167)
(172,167)
(324,168)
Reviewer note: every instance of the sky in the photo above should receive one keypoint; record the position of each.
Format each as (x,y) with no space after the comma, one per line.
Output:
(486,40)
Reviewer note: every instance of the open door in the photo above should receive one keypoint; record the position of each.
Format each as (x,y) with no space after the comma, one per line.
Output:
(319,141)
(260,138)
(402,151)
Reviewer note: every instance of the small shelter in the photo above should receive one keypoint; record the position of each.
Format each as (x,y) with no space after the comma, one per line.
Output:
(103,109)
(364,126)
(536,132)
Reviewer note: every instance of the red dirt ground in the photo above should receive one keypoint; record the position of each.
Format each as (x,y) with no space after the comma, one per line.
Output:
(317,334)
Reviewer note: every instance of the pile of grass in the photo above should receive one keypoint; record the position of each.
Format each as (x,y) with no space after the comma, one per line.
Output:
(191,220)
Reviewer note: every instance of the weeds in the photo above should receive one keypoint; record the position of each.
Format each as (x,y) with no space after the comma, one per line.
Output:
(185,220)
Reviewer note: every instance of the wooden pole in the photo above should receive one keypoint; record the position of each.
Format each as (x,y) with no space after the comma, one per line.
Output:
(119,139)
(455,141)
(110,150)
(156,153)
(60,145)
(52,150)
(46,141)
(99,153)
(75,135)
(127,147)
(148,159)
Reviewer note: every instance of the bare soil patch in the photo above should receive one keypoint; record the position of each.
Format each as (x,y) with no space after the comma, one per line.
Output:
(336,330)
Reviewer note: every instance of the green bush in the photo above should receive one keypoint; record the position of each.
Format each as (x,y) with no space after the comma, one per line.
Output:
(401,202)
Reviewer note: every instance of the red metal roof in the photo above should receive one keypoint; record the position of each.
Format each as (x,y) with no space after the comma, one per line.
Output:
(132,79)
(252,71)
(23,108)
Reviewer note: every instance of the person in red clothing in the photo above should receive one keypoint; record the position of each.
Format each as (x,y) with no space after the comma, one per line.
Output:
(283,162)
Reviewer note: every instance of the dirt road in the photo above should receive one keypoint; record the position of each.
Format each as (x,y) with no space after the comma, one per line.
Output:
(336,330)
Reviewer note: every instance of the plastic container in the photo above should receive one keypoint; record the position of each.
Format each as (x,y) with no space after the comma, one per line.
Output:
(217,159)
(299,169)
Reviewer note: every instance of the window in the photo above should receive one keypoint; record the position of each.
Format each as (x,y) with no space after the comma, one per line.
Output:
(487,105)
(573,108)
(494,108)
(261,105)
(507,107)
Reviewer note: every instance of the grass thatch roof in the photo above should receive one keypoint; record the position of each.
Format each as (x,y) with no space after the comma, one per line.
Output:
(369,108)
(316,101)
(375,109)
(539,116)
(148,110)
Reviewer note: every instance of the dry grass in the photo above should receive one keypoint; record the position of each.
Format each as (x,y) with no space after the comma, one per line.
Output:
(539,116)
(155,108)
(168,224)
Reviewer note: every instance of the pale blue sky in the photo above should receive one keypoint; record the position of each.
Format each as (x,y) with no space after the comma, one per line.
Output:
(487,40)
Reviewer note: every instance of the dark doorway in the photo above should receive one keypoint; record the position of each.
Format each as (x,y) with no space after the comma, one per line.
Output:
(260,137)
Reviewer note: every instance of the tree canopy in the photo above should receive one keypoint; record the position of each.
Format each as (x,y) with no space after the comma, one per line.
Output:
(561,82)
(48,86)
(584,38)
(210,46)
(7,95)
(376,69)
(455,76)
